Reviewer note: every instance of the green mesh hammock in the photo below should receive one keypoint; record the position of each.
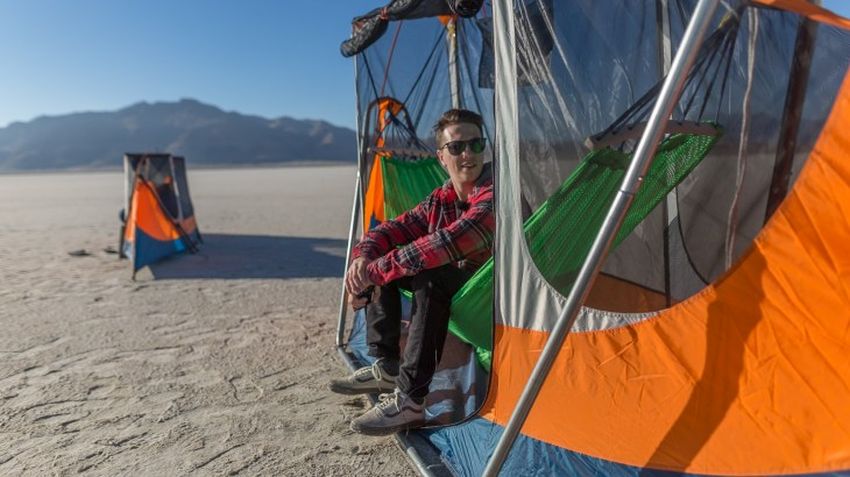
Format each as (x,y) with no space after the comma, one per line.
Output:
(406,183)
(561,231)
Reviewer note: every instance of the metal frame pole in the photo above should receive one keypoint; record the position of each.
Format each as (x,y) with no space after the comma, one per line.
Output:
(670,212)
(454,79)
(355,213)
(343,302)
(644,153)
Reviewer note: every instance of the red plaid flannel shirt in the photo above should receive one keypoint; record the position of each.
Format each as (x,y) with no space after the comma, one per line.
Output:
(438,231)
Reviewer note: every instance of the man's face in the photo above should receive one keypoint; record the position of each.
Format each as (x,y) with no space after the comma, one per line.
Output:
(464,167)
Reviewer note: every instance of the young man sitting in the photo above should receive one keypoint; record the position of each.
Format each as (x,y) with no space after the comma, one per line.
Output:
(431,250)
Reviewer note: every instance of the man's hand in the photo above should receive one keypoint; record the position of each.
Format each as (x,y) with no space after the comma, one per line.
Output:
(364,298)
(356,302)
(357,278)
(357,281)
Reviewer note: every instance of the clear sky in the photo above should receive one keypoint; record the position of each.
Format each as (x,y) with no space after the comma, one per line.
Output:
(265,57)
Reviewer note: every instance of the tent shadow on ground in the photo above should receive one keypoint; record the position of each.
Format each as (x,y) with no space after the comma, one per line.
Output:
(224,256)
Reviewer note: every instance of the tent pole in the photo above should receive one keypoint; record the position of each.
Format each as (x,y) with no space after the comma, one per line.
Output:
(127,184)
(355,211)
(643,156)
(791,114)
(352,230)
(454,80)
(670,211)
(126,210)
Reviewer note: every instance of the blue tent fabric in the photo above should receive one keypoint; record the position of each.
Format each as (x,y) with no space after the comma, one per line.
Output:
(150,250)
(465,449)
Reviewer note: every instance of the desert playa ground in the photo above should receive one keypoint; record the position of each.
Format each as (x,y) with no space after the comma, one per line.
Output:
(207,364)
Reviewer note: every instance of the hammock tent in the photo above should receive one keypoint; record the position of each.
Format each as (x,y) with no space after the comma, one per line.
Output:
(158,217)
(406,79)
(714,338)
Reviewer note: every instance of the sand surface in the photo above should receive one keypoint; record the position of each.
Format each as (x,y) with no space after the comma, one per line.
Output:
(208,364)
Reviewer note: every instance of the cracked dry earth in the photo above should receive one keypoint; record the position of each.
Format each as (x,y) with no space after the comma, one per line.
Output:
(207,364)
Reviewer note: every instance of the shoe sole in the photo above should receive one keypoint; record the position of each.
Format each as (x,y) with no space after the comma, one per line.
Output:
(349,391)
(386,431)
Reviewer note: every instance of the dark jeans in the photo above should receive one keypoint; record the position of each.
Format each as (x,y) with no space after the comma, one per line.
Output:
(432,296)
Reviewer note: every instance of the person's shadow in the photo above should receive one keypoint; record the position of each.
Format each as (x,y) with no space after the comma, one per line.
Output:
(223,256)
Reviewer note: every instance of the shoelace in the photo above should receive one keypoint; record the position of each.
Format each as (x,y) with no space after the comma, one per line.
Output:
(363,373)
(377,371)
(387,400)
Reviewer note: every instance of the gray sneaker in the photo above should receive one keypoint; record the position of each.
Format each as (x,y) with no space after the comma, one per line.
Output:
(367,380)
(395,412)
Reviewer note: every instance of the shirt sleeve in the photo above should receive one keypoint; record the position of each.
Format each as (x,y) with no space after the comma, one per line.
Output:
(471,232)
(394,233)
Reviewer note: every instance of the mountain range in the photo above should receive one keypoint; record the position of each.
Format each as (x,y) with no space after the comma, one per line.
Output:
(204,134)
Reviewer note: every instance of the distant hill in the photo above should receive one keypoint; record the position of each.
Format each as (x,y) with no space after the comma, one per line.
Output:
(204,134)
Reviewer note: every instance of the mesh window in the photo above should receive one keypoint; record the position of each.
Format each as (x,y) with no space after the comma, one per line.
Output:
(605,60)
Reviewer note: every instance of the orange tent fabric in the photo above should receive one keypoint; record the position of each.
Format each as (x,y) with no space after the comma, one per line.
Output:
(154,223)
(374,201)
(810,10)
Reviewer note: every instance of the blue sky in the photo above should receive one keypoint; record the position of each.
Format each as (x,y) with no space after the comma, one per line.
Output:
(265,57)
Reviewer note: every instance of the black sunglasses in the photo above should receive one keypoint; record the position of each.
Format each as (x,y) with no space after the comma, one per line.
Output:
(455,148)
